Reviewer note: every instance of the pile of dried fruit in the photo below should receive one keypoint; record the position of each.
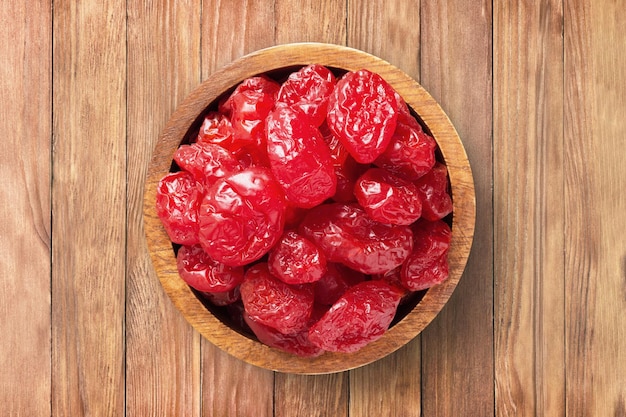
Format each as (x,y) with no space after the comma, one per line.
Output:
(312,207)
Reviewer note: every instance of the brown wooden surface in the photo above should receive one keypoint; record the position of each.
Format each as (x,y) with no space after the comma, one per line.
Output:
(537,325)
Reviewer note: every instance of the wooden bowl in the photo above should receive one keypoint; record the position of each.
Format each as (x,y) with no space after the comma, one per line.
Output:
(187,117)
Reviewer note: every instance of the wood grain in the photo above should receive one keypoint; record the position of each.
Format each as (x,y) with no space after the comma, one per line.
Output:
(310,21)
(528,208)
(231,386)
(595,289)
(163,351)
(537,324)
(89,206)
(314,395)
(457,347)
(390,30)
(25,207)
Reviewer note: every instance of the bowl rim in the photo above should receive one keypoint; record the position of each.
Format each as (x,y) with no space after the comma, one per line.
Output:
(296,55)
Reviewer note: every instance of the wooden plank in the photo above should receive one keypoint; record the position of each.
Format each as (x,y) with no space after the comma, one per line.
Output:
(231,29)
(391,31)
(162,349)
(310,21)
(528,208)
(25,207)
(595,179)
(457,347)
(390,386)
(311,395)
(88,201)
(314,395)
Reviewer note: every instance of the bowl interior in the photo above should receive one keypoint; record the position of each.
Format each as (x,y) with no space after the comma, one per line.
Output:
(278,62)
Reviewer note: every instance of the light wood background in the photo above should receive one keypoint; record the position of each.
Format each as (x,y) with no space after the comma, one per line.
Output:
(537,91)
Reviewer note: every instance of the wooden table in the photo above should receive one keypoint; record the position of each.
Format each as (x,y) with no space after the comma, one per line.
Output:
(537,91)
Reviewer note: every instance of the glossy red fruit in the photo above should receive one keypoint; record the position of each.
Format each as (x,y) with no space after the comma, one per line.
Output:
(248,106)
(299,158)
(217,129)
(207,162)
(347,235)
(362,113)
(222,299)
(241,217)
(272,302)
(360,316)
(394,278)
(204,274)
(347,169)
(296,343)
(308,90)
(433,190)
(178,198)
(410,154)
(388,198)
(337,279)
(427,265)
(296,260)
(404,114)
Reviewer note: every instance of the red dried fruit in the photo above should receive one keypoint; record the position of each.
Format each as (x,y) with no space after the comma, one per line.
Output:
(308,90)
(337,279)
(207,162)
(272,302)
(296,343)
(427,265)
(404,114)
(299,158)
(410,154)
(204,274)
(360,316)
(394,278)
(388,198)
(241,217)
(248,106)
(296,260)
(433,190)
(177,200)
(222,299)
(347,235)
(216,128)
(362,113)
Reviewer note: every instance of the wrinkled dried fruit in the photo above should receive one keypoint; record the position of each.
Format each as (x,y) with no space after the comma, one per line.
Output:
(360,316)
(204,274)
(296,343)
(362,113)
(337,279)
(410,153)
(347,235)
(225,298)
(241,217)
(387,198)
(248,106)
(299,158)
(217,129)
(272,302)
(207,162)
(433,190)
(296,260)
(177,201)
(308,90)
(427,265)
